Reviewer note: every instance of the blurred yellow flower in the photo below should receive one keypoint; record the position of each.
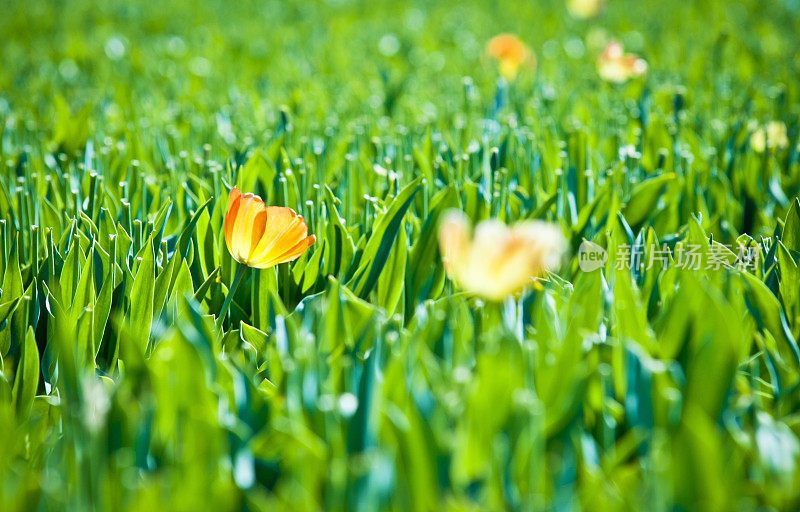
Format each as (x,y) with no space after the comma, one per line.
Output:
(511,53)
(585,9)
(262,236)
(497,260)
(771,137)
(617,67)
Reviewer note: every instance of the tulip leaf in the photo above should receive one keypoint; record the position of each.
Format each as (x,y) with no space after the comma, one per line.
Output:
(791,227)
(256,338)
(141,299)
(391,280)
(26,379)
(644,198)
(12,291)
(7,308)
(165,281)
(767,312)
(423,256)
(200,294)
(102,307)
(339,248)
(381,240)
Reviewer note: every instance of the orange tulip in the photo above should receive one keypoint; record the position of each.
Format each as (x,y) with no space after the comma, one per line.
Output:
(510,52)
(262,236)
(497,261)
(615,66)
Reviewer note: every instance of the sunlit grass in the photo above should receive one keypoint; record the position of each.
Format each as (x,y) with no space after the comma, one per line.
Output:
(629,342)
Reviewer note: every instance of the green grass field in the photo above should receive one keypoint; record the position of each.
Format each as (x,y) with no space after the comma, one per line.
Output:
(653,367)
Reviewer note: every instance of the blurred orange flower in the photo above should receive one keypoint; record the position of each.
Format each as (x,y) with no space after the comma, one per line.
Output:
(585,9)
(497,260)
(617,67)
(262,236)
(511,53)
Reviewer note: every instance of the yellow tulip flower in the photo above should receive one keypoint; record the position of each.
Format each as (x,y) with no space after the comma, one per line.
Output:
(497,260)
(262,236)
(585,9)
(771,137)
(617,67)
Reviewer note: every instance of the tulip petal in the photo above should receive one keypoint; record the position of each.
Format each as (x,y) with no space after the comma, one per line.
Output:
(242,235)
(293,233)
(234,201)
(453,239)
(284,241)
(278,220)
(291,254)
(498,260)
(259,226)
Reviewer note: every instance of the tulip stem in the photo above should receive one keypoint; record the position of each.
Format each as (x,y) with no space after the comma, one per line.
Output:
(241,274)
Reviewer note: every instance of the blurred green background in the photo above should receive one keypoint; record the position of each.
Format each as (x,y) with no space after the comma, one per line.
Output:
(348,59)
(123,124)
